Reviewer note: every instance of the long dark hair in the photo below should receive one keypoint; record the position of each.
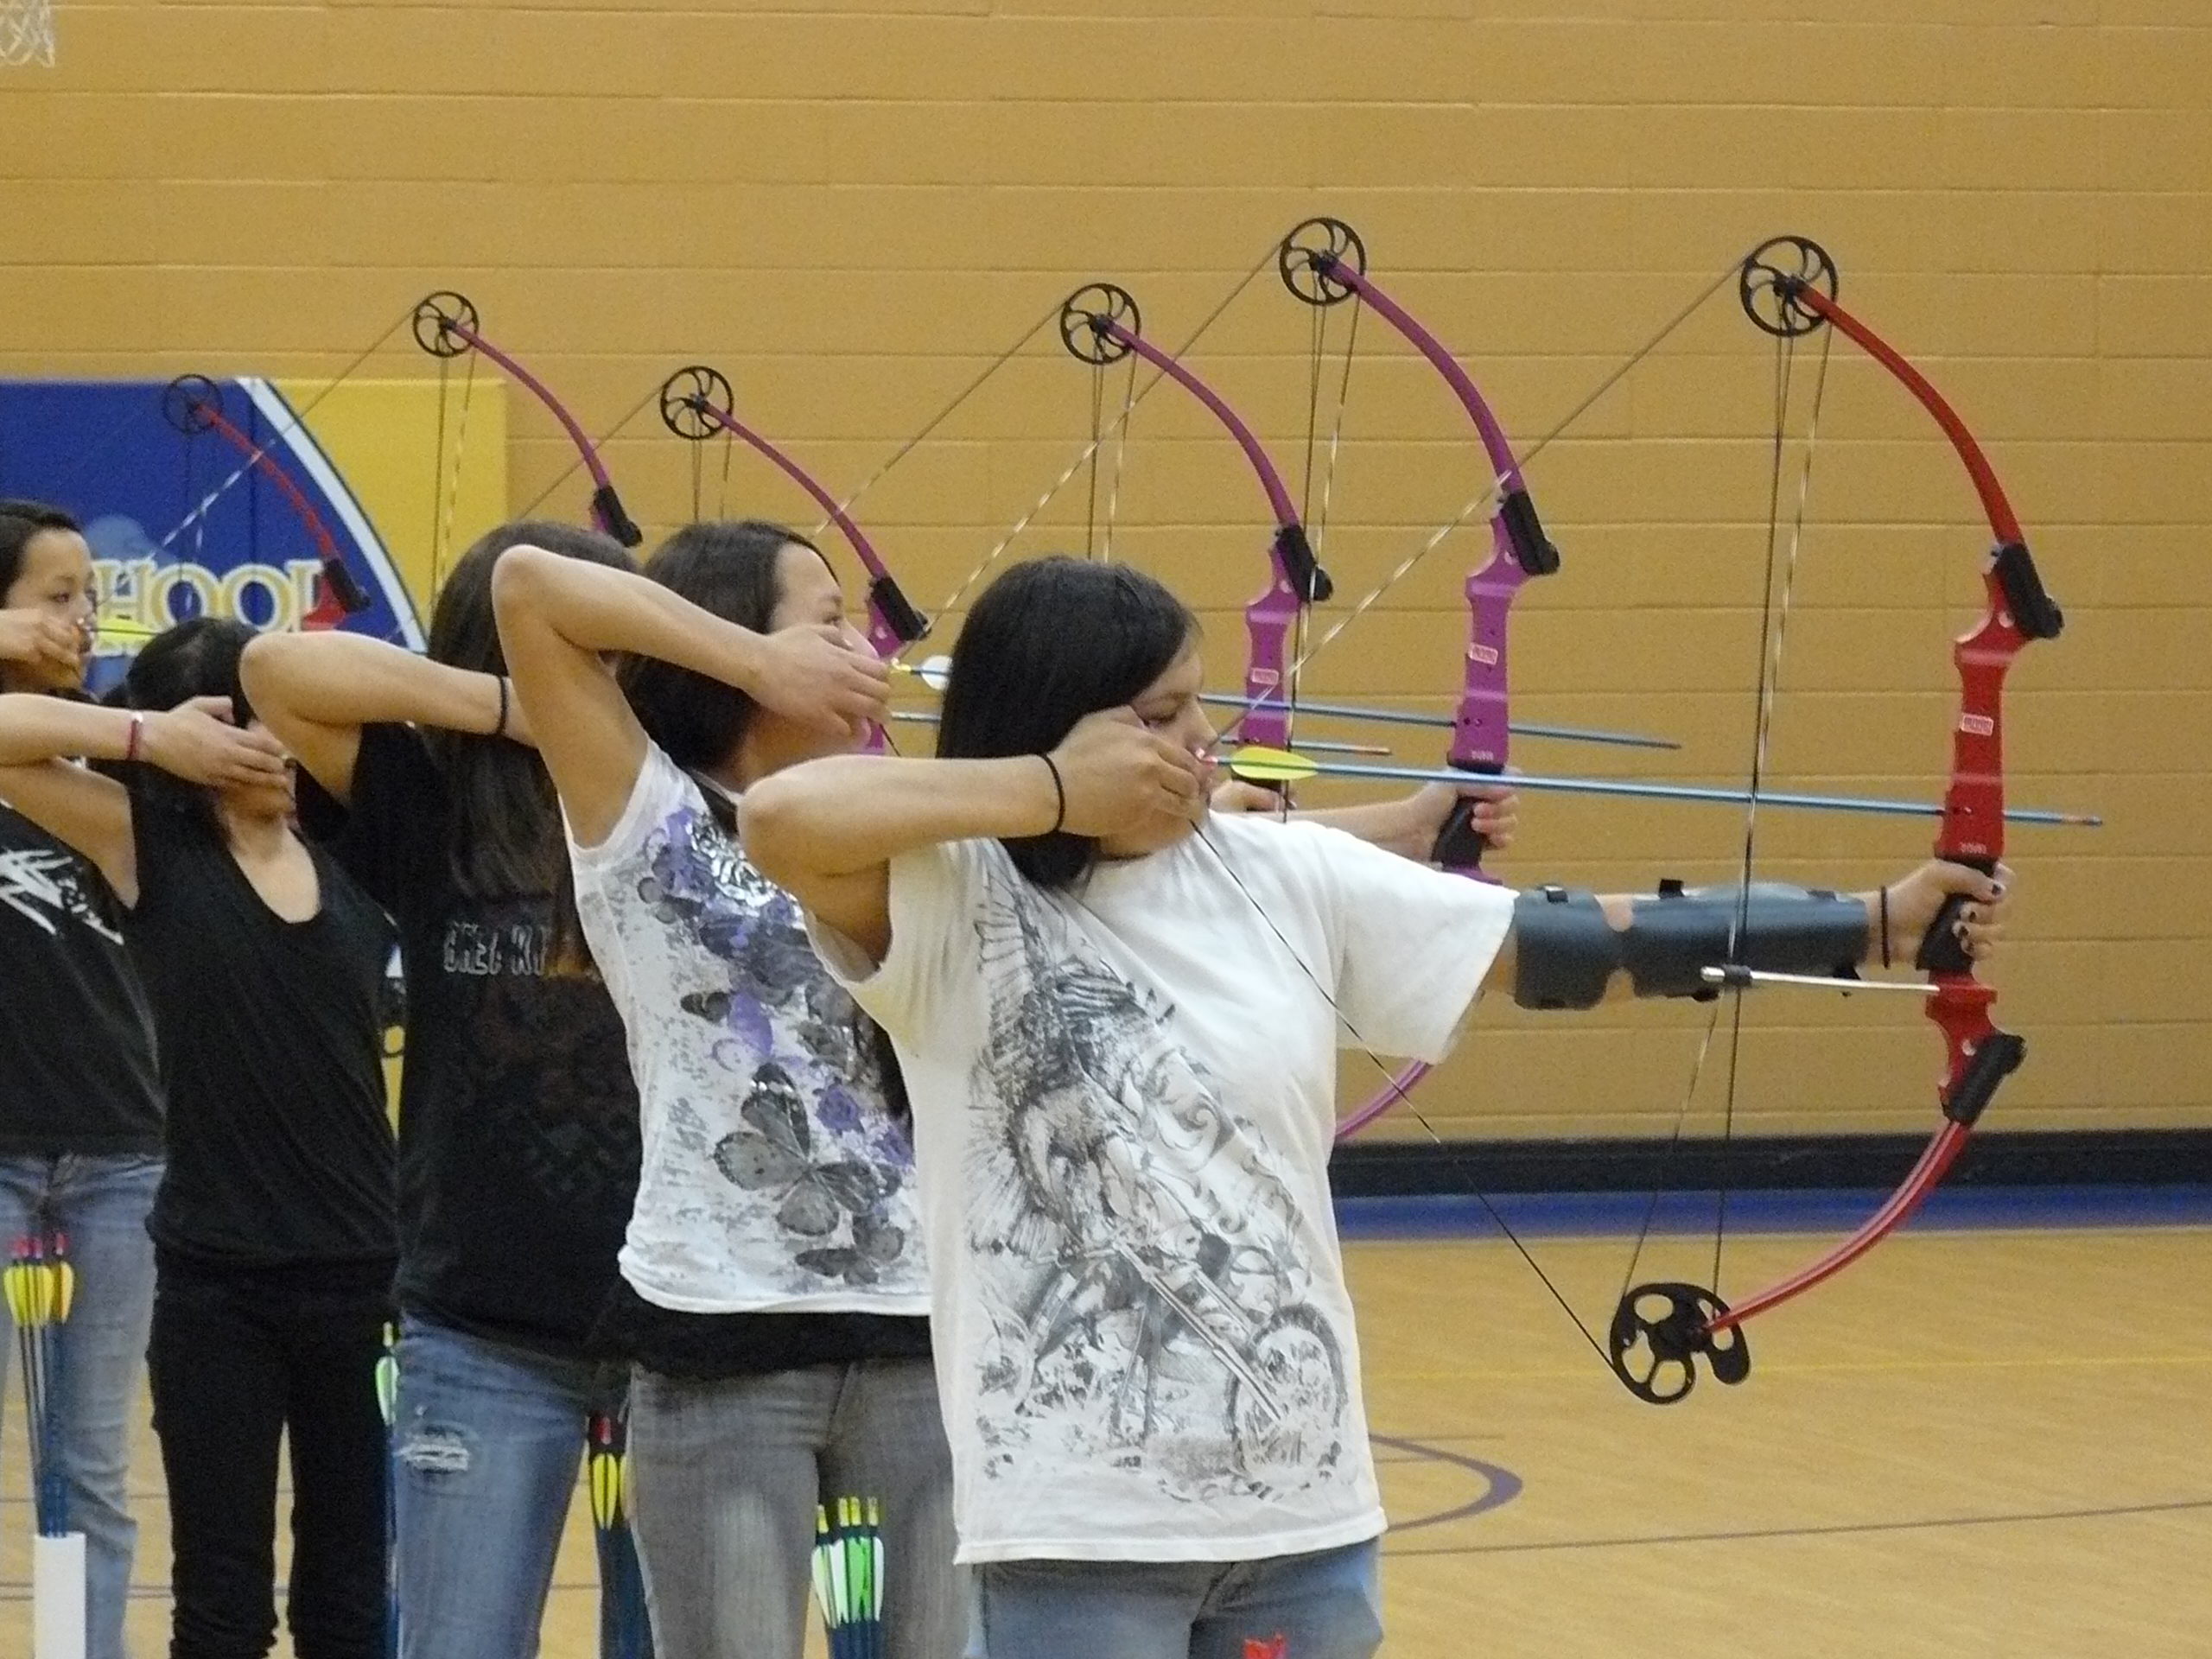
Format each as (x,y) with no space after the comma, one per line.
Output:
(19,520)
(1050,641)
(505,837)
(727,568)
(198,657)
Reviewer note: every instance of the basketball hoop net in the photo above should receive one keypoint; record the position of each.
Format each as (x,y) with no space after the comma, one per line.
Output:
(27,32)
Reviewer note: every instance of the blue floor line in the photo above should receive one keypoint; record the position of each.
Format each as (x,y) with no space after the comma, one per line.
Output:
(1821,1211)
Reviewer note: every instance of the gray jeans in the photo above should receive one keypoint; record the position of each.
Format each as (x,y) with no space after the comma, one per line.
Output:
(724,1479)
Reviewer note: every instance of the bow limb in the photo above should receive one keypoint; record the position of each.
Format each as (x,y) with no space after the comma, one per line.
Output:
(1787,288)
(193,404)
(446,325)
(697,402)
(1100,324)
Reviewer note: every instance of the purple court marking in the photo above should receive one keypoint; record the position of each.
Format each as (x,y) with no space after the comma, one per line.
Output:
(1501,1486)
(2116,1511)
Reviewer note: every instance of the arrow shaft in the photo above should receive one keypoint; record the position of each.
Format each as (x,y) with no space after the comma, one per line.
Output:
(1636,791)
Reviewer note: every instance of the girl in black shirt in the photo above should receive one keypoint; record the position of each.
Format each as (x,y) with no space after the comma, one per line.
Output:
(80,1105)
(273,1225)
(518,1119)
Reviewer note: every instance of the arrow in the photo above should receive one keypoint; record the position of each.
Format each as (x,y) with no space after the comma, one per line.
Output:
(1263,766)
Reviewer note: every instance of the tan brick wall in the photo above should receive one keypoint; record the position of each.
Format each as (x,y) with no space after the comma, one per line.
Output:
(853,208)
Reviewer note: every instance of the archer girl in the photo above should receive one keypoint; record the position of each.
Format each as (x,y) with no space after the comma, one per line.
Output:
(773,1290)
(80,1100)
(518,1119)
(272,1227)
(1118,1015)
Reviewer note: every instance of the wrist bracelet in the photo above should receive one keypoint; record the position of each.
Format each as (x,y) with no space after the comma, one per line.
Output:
(500,730)
(1885,926)
(1059,794)
(130,743)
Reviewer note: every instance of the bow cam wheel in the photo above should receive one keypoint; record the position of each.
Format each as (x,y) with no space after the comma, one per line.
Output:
(691,398)
(1089,318)
(1658,1332)
(439,321)
(1775,278)
(190,403)
(1313,256)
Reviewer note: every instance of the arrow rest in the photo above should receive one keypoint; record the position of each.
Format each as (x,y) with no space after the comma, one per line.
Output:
(190,403)
(1085,320)
(1311,254)
(691,398)
(440,319)
(1654,1350)
(1775,274)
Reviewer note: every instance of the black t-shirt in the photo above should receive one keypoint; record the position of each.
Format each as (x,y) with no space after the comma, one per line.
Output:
(517,1120)
(77,1071)
(280,1149)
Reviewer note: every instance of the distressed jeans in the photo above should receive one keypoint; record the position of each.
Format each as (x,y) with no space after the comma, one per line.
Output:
(486,1441)
(100,1204)
(1321,1605)
(725,1477)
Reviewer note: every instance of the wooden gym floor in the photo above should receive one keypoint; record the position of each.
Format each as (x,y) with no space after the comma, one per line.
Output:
(1996,1440)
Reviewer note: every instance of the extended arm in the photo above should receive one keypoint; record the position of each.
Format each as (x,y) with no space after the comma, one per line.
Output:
(1572,950)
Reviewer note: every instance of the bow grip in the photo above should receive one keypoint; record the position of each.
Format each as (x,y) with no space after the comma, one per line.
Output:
(1941,951)
(607,508)
(1459,845)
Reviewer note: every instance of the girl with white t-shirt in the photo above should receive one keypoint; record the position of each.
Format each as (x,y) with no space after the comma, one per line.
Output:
(773,1292)
(1118,1017)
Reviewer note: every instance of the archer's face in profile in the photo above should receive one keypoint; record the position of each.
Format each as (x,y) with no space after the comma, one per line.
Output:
(1170,708)
(808,595)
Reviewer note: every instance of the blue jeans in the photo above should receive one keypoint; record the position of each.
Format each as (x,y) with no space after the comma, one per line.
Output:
(101,1204)
(486,1441)
(728,1476)
(1322,1605)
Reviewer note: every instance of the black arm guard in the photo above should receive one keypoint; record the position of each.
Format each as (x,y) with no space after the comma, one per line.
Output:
(1565,951)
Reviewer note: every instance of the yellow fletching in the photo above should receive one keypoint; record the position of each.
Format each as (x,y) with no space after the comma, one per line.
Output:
(606,1489)
(14,1280)
(65,1290)
(1259,764)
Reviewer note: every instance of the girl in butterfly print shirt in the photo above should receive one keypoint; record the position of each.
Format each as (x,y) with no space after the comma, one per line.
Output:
(773,1291)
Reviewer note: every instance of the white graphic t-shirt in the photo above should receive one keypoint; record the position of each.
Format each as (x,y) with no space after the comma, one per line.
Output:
(1124,1100)
(773,1176)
